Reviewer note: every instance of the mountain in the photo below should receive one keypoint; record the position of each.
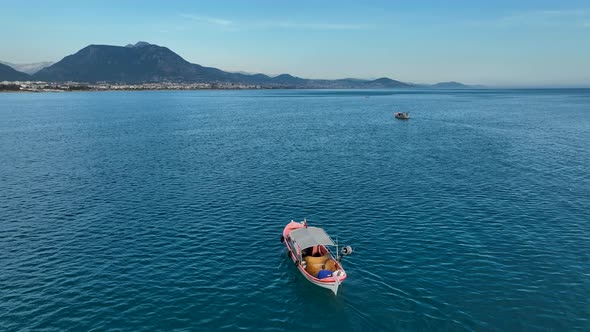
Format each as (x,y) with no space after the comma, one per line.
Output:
(8,73)
(385,82)
(141,63)
(450,85)
(287,79)
(29,68)
(144,62)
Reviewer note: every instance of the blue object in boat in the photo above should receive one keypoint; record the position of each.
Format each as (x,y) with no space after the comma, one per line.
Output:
(324,274)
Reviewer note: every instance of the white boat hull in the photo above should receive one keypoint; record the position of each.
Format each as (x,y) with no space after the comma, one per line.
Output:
(333,286)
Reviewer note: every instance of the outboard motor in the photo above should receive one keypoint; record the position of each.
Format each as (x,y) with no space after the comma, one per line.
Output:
(345,252)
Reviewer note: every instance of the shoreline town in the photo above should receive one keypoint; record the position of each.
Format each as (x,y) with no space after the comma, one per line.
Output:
(40,86)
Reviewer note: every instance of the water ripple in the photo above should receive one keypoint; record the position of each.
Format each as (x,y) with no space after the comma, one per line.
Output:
(163,210)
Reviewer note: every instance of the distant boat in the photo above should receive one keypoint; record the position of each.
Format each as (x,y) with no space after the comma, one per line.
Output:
(308,248)
(402,115)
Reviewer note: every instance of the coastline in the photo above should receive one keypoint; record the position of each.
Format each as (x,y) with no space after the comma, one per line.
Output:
(39,86)
(19,86)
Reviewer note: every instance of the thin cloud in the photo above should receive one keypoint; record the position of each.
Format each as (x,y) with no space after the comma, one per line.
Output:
(276,24)
(565,12)
(536,18)
(207,19)
(315,26)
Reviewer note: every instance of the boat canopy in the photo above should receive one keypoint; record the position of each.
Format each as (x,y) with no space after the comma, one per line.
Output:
(306,237)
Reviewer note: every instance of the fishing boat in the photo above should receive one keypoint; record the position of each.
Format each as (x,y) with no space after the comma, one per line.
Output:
(308,247)
(402,115)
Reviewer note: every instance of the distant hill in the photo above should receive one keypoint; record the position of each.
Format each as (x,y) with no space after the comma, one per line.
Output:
(141,63)
(287,79)
(28,68)
(385,82)
(145,62)
(450,85)
(8,73)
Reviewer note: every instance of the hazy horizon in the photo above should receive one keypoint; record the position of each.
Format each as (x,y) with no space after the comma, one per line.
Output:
(500,44)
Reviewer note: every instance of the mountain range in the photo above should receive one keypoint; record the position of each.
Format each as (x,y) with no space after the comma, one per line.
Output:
(144,62)
(28,68)
(8,73)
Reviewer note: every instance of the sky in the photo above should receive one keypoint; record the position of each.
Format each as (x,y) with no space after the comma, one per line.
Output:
(495,43)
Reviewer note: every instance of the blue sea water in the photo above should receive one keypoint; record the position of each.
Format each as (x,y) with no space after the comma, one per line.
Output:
(146,211)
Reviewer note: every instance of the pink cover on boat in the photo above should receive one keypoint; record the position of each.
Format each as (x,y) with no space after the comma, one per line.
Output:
(291,226)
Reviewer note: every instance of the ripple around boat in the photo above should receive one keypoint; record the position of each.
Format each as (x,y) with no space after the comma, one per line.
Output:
(162,210)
